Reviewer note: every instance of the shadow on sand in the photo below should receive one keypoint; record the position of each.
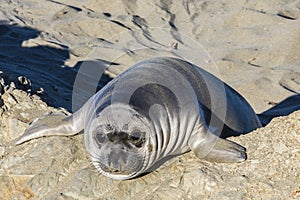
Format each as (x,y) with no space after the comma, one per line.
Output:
(283,108)
(43,65)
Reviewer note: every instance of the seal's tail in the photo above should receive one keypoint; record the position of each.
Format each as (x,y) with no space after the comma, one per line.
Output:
(283,108)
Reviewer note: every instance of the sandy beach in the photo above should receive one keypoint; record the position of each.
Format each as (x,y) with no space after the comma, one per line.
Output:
(54,55)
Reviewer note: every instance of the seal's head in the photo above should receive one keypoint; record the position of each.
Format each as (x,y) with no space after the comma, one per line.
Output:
(117,139)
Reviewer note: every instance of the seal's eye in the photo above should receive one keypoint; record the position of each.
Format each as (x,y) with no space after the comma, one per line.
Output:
(99,137)
(136,138)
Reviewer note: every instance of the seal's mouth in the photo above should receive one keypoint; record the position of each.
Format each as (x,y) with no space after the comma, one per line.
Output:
(112,170)
(114,173)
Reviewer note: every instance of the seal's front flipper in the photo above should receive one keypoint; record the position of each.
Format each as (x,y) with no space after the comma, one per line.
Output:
(51,124)
(209,147)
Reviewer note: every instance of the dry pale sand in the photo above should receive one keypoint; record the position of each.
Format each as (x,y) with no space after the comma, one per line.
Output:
(53,53)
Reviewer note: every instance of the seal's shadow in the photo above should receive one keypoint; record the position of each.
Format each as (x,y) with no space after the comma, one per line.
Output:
(44,65)
(284,108)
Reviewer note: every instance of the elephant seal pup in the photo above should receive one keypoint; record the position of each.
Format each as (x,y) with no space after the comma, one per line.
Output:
(157,108)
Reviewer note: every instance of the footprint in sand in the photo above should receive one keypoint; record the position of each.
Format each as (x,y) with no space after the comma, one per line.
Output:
(291,81)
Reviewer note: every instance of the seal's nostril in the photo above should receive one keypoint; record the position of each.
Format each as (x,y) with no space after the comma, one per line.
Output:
(111,137)
(116,136)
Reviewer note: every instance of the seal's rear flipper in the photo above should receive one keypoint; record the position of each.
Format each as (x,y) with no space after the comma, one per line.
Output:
(226,151)
(214,149)
(51,124)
